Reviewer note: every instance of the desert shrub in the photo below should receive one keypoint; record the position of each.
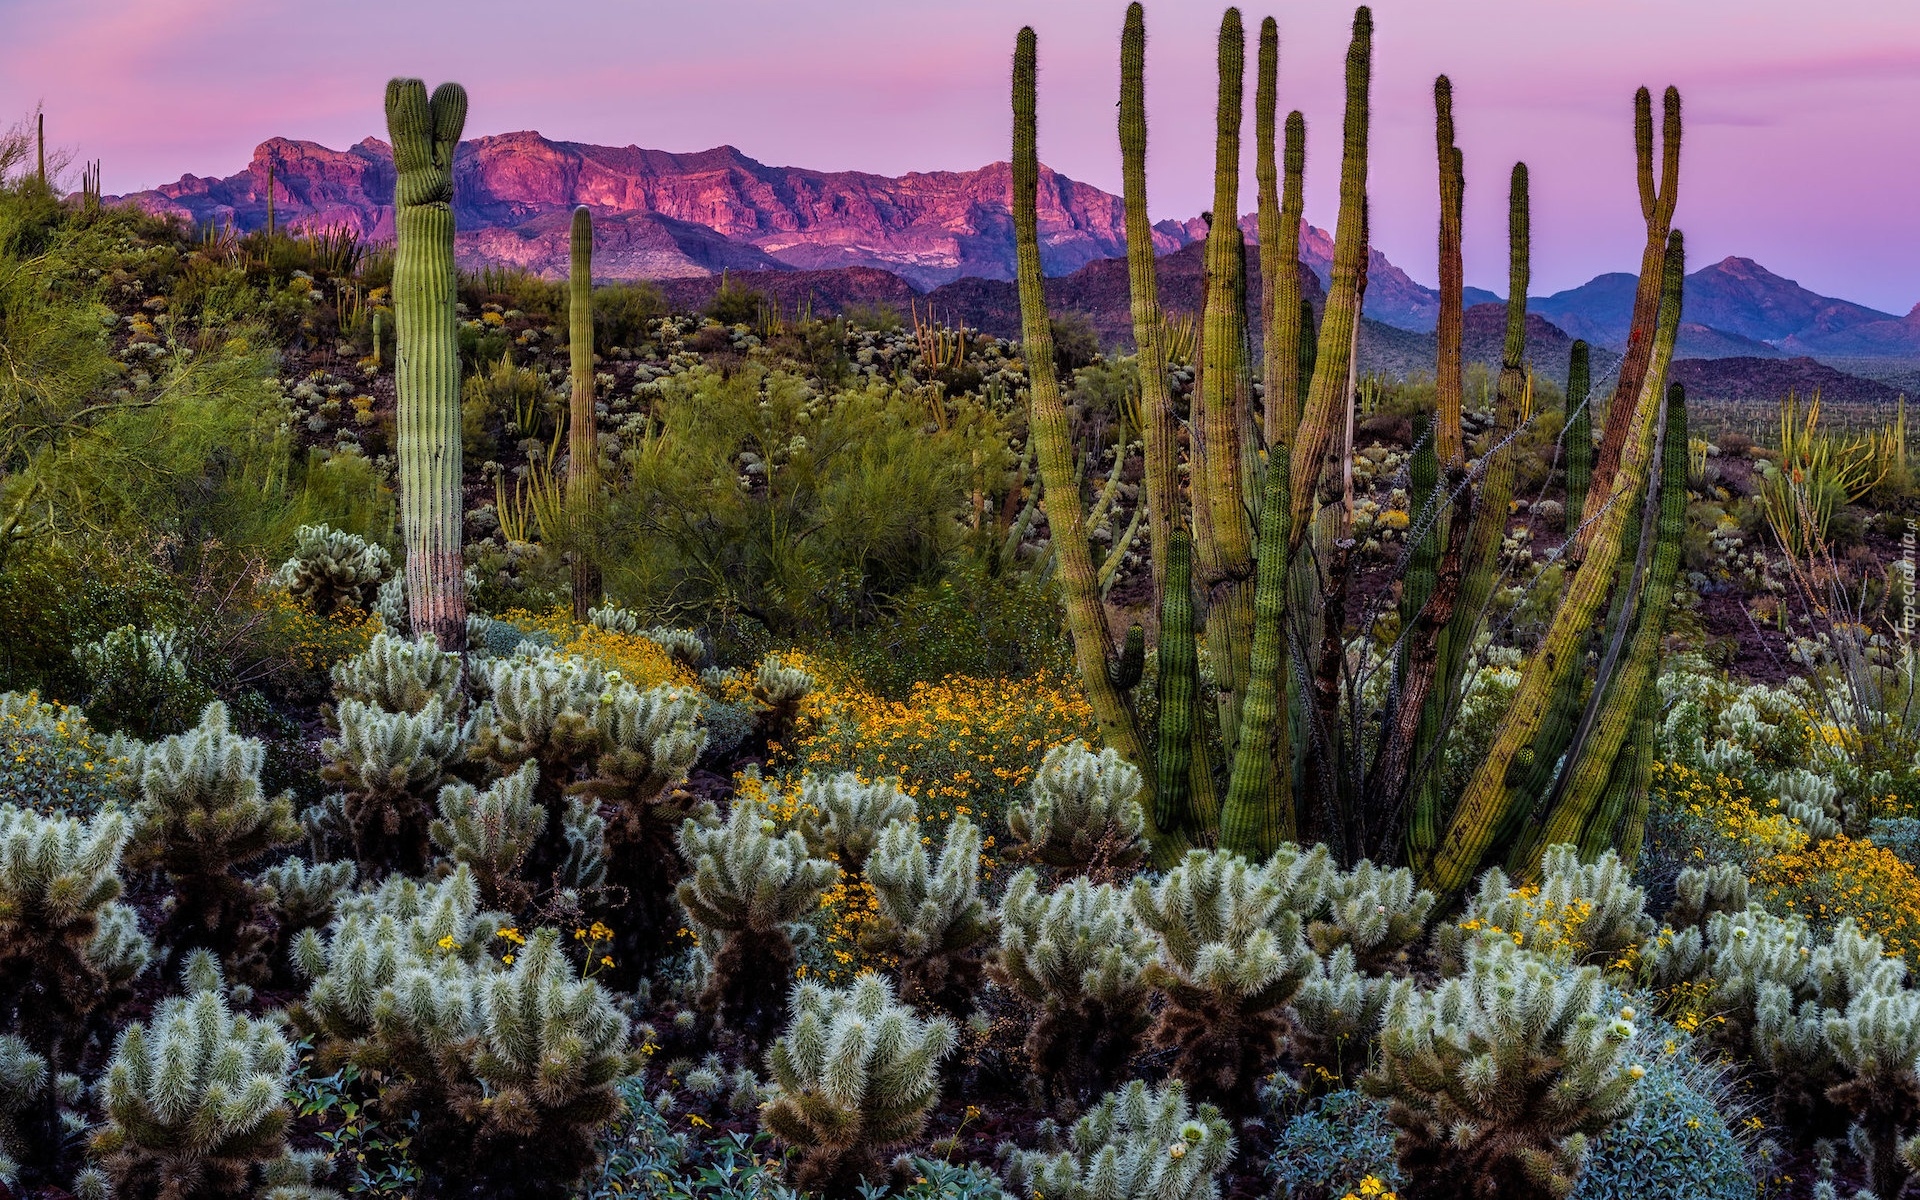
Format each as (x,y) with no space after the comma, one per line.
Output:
(138,682)
(1076,343)
(342,488)
(53,762)
(857,1073)
(60,594)
(624,312)
(504,401)
(1076,958)
(1841,877)
(1675,1145)
(1339,1144)
(735,303)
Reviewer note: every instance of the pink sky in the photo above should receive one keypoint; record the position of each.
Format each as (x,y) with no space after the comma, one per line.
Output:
(1803,149)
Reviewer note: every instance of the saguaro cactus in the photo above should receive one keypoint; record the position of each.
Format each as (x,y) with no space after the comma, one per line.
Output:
(427,358)
(583,452)
(1449,386)
(1579,434)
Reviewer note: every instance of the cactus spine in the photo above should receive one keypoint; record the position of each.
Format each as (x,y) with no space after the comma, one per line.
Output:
(1160,428)
(1481,808)
(1092,642)
(1223,532)
(583,450)
(427,359)
(1579,434)
(1328,395)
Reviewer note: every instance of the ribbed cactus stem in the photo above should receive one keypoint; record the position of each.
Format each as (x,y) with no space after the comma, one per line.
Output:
(1177,687)
(1223,530)
(1449,365)
(1052,437)
(1258,813)
(1293,331)
(583,449)
(1266,101)
(1519,270)
(1481,810)
(1579,434)
(1656,206)
(1161,430)
(1327,397)
(427,355)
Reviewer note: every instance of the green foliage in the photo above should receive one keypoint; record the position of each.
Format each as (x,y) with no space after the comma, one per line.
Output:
(331,570)
(1232,953)
(1137,1144)
(857,1073)
(1084,816)
(1343,1139)
(735,304)
(1077,959)
(842,817)
(373,1153)
(202,816)
(1500,1075)
(505,404)
(139,682)
(704,521)
(53,762)
(930,916)
(194,1100)
(749,885)
(624,313)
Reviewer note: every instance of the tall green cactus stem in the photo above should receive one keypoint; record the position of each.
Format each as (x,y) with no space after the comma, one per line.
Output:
(1278,367)
(583,448)
(1086,622)
(1180,759)
(1293,332)
(1656,206)
(427,358)
(1161,429)
(1597,793)
(1328,395)
(1258,813)
(1579,434)
(1481,808)
(1449,366)
(1223,530)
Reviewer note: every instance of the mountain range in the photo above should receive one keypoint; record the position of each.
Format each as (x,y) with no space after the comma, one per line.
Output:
(667,216)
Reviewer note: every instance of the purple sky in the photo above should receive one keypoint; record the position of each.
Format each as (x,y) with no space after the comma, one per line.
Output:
(1803,150)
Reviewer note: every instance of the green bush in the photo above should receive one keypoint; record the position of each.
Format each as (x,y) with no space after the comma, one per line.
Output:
(1344,1138)
(624,312)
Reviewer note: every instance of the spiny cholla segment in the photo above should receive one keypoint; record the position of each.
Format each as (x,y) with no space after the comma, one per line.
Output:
(1138,1143)
(841,815)
(400,675)
(1084,812)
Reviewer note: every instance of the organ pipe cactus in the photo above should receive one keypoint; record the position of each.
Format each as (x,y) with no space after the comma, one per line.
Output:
(1084,813)
(195,1099)
(1232,954)
(202,816)
(1499,1076)
(400,675)
(583,444)
(842,817)
(1221,423)
(1449,364)
(1048,427)
(1183,796)
(1138,1143)
(1578,434)
(390,763)
(1077,958)
(749,884)
(930,916)
(1488,803)
(1258,813)
(858,1073)
(425,132)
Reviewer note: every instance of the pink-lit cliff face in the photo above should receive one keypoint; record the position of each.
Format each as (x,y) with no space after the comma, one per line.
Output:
(1802,151)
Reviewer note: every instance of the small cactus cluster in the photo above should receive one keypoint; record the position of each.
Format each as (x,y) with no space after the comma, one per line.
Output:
(1499,1075)
(1138,1143)
(842,816)
(202,816)
(138,681)
(778,689)
(389,764)
(509,1060)
(1083,816)
(930,918)
(400,675)
(857,1073)
(332,569)
(750,884)
(1586,912)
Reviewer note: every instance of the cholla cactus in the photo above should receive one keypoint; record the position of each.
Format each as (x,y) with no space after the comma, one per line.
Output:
(748,885)
(23,1076)
(1378,913)
(1078,956)
(138,681)
(492,832)
(778,690)
(930,914)
(331,569)
(202,816)
(508,1064)
(614,619)
(1232,954)
(1500,1075)
(296,1175)
(1701,892)
(1138,1143)
(584,832)
(1876,1042)
(390,763)
(400,675)
(857,1073)
(1338,1013)
(1583,912)
(303,895)
(193,1101)
(543,709)
(683,646)
(1085,815)
(66,945)
(841,816)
